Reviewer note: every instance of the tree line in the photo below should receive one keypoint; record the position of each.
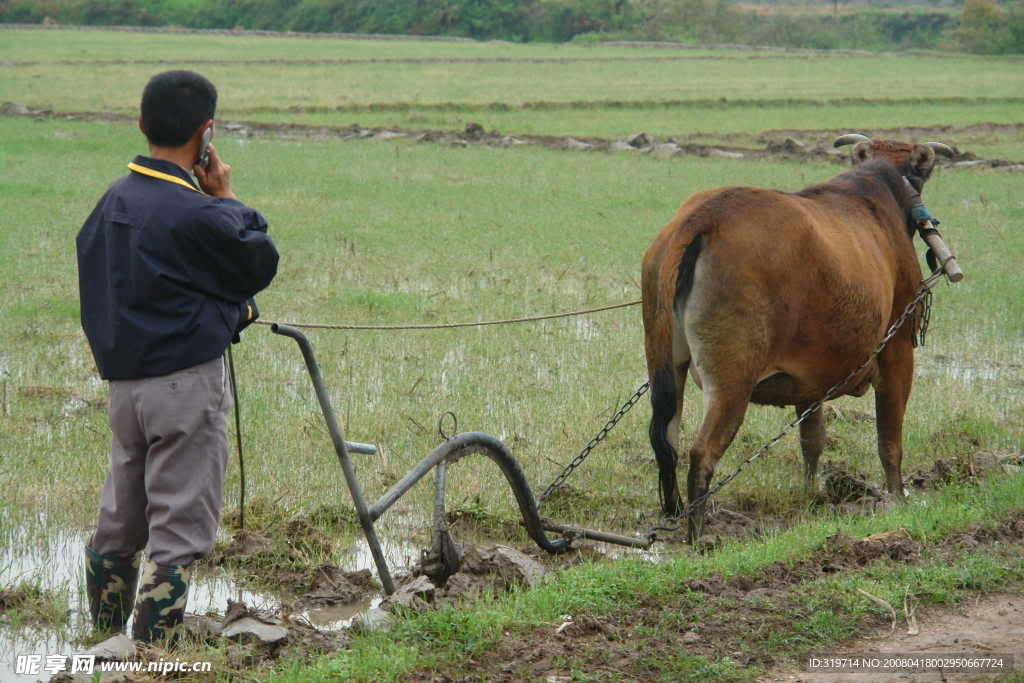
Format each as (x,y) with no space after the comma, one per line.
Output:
(978,26)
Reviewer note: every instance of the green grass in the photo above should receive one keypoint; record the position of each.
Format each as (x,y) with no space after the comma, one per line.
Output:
(374,233)
(77,83)
(32,45)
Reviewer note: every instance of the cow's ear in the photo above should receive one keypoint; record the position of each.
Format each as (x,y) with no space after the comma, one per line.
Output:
(922,161)
(862,151)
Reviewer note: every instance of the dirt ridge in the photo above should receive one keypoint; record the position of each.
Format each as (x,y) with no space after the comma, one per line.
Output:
(783,144)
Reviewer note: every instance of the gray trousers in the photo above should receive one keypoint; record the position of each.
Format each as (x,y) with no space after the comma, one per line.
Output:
(169,451)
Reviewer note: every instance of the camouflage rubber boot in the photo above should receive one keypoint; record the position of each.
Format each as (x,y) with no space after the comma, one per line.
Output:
(160,606)
(110,586)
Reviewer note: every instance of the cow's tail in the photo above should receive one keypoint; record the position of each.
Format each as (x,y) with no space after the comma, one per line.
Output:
(674,286)
(664,399)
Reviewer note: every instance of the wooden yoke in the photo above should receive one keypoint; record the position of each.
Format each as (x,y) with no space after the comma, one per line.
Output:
(938,247)
(931,236)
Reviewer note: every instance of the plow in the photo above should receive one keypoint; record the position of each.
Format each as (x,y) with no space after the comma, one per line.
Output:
(454,448)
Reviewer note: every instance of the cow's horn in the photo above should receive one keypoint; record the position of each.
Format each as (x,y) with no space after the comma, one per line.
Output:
(939,148)
(850,139)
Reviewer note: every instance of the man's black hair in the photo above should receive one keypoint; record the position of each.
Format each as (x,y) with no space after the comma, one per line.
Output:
(174,105)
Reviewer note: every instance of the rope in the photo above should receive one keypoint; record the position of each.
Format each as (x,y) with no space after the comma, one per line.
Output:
(238,440)
(441,326)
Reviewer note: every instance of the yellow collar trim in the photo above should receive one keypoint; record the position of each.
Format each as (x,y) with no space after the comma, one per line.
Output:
(162,176)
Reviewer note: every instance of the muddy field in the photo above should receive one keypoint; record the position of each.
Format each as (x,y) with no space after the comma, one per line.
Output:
(710,617)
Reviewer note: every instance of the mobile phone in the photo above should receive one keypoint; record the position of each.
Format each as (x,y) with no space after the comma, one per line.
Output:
(204,148)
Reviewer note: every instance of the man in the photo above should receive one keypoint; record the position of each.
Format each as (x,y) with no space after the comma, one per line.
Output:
(167,271)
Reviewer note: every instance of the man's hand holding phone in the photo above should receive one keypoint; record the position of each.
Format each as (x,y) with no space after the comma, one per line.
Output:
(215,179)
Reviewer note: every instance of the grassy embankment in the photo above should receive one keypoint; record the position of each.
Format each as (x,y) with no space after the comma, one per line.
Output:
(390,233)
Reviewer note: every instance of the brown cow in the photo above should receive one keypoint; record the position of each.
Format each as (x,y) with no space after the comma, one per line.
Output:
(774,297)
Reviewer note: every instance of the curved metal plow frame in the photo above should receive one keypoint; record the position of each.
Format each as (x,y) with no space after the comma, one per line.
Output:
(453,449)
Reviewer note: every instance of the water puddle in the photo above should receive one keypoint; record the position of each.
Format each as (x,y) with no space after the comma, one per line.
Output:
(51,563)
(339,616)
(213,587)
(13,645)
(1009,375)
(55,562)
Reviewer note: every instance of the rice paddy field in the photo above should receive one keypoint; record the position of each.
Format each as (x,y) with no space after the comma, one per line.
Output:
(414,220)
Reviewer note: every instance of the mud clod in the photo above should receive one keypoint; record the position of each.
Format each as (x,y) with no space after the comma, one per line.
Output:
(589,626)
(723,526)
(290,557)
(240,624)
(329,585)
(742,582)
(256,631)
(1008,532)
(964,468)
(841,487)
(727,523)
(245,544)
(234,612)
(690,638)
(639,140)
(941,472)
(16,109)
(306,538)
(845,552)
(13,598)
(494,569)
(414,595)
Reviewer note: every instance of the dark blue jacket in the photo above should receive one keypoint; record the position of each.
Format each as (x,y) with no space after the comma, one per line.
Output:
(164,272)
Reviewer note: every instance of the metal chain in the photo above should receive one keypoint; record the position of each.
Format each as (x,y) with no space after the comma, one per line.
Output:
(578,460)
(924,291)
(921,322)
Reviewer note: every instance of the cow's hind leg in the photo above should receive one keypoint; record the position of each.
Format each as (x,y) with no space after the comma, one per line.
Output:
(666,413)
(812,442)
(892,391)
(723,415)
